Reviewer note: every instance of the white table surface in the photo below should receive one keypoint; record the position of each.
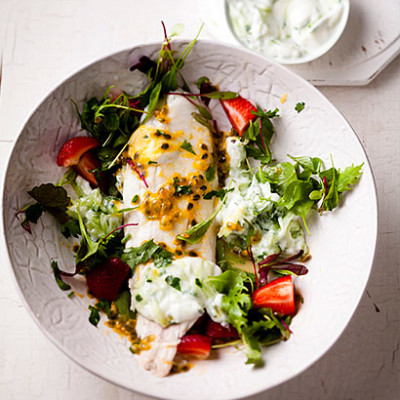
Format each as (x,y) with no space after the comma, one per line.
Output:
(44,41)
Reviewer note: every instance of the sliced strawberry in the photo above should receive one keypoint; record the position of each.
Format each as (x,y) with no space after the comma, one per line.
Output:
(198,346)
(239,112)
(277,295)
(217,331)
(199,325)
(86,164)
(72,150)
(105,280)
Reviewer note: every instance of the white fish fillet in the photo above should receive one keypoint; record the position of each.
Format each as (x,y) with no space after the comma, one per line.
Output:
(182,126)
(159,359)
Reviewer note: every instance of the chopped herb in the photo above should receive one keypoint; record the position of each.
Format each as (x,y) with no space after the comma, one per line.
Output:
(181,189)
(210,173)
(300,106)
(198,283)
(152,162)
(138,297)
(71,294)
(134,256)
(174,282)
(135,198)
(188,147)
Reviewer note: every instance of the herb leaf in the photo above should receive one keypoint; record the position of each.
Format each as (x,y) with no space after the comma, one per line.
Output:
(181,189)
(226,95)
(134,256)
(174,281)
(188,147)
(196,233)
(300,106)
(211,171)
(94,317)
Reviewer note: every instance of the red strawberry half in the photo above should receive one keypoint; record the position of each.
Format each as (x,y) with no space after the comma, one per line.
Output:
(76,153)
(86,164)
(217,331)
(277,295)
(72,150)
(239,112)
(105,280)
(195,345)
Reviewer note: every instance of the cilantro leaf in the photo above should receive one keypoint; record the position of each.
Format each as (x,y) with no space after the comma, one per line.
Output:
(134,256)
(181,189)
(188,147)
(162,258)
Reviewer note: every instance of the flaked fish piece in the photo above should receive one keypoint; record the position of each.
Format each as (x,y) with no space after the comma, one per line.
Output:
(170,150)
(159,358)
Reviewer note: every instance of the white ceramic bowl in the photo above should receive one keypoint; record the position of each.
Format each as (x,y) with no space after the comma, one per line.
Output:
(214,13)
(342,242)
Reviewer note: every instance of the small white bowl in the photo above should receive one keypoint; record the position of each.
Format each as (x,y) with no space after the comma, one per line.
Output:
(216,18)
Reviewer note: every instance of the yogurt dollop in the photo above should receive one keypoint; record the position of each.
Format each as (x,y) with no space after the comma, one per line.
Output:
(287,30)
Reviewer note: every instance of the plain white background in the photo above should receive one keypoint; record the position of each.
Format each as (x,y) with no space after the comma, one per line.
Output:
(42,42)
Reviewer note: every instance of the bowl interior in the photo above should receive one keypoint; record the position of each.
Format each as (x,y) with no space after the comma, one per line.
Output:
(342,242)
